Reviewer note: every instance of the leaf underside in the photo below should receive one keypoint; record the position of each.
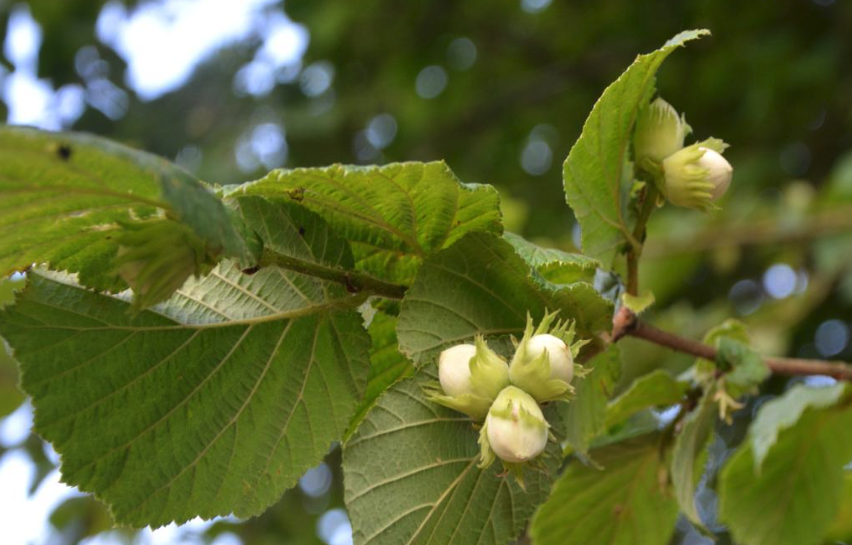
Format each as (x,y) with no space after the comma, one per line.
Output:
(792,495)
(430,491)
(622,505)
(62,196)
(212,403)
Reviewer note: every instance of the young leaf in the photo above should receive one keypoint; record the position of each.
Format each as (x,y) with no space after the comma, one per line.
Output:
(595,183)
(65,195)
(387,365)
(747,370)
(554,265)
(655,389)
(585,417)
(783,486)
(688,456)
(411,476)
(393,216)
(212,403)
(625,504)
(637,303)
(481,285)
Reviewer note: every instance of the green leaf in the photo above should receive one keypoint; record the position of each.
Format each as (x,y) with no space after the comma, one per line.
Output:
(621,505)
(64,196)
(585,416)
(295,232)
(784,412)
(393,216)
(747,368)
(10,396)
(212,403)
(655,389)
(481,285)
(554,265)
(784,485)
(596,186)
(387,365)
(841,528)
(411,476)
(689,455)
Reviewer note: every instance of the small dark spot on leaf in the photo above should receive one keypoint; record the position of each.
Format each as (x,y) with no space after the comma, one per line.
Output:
(64,152)
(301,230)
(297,194)
(251,270)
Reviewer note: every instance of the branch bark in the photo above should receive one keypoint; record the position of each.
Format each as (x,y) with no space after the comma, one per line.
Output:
(626,323)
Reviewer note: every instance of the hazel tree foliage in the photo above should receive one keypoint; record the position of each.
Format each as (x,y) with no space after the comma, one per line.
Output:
(191,350)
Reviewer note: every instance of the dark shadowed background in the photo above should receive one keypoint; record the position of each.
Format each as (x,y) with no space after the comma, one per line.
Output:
(499,90)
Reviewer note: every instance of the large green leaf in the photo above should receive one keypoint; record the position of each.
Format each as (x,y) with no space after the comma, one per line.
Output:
(64,195)
(393,216)
(10,396)
(481,285)
(655,389)
(784,485)
(214,402)
(387,364)
(411,477)
(585,417)
(597,180)
(689,455)
(625,504)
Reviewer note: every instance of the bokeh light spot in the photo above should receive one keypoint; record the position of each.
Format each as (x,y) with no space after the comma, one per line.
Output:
(431,82)
(780,281)
(831,338)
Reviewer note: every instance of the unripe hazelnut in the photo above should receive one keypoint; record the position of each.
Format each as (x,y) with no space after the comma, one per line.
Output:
(659,132)
(515,426)
(454,369)
(558,354)
(470,377)
(697,175)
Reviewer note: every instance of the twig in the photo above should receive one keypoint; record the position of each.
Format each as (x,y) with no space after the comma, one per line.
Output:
(625,323)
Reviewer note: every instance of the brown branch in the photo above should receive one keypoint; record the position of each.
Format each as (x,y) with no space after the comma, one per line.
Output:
(626,323)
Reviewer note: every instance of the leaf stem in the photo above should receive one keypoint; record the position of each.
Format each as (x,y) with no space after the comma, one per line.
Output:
(626,324)
(354,282)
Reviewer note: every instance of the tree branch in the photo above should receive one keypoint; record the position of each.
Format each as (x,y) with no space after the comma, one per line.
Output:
(625,323)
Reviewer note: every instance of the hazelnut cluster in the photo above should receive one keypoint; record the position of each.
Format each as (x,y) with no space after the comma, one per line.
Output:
(505,398)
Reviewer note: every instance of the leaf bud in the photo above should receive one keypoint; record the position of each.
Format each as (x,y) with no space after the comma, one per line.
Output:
(697,175)
(659,132)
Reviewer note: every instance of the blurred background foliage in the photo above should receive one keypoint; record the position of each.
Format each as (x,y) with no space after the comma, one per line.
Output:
(499,90)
